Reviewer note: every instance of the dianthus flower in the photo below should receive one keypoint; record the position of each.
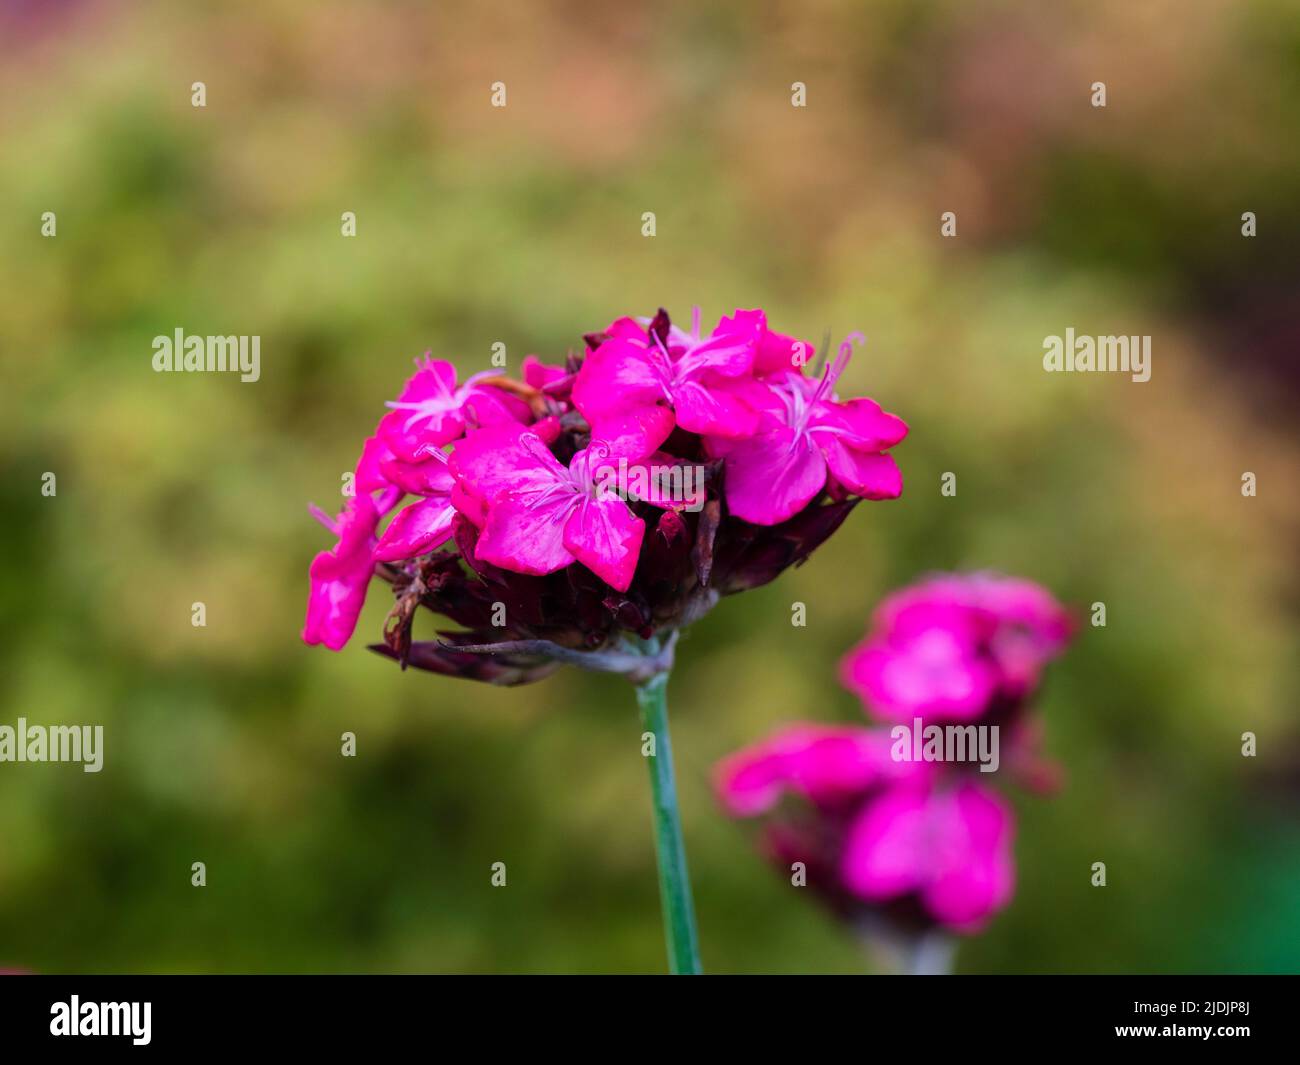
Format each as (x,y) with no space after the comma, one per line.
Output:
(896,829)
(957,647)
(876,836)
(588,513)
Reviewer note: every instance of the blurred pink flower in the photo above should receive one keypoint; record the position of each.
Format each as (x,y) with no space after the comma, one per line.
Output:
(957,648)
(825,764)
(900,838)
(950,847)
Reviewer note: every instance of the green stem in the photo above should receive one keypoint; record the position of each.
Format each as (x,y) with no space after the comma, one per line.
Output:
(674,881)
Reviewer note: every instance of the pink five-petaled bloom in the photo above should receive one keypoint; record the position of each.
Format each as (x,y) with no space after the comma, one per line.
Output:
(542,516)
(954,647)
(882,830)
(803,433)
(636,385)
(339,576)
(433,410)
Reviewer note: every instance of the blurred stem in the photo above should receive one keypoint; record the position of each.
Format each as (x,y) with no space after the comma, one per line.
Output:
(929,954)
(674,881)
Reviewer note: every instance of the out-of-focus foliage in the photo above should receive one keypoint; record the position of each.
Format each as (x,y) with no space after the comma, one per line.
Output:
(523,225)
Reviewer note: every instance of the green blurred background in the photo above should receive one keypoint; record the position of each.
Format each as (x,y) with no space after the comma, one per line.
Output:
(523,225)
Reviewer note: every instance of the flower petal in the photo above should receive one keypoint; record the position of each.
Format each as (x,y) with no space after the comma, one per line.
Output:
(633,434)
(617,377)
(426,412)
(953,848)
(665,481)
(861,423)
(626,328)
(828,765)
(885,854)
(491,462)
(491,406)
(369,473)
(406,433)
(605,536)
(773,475)
(936,673)
(433,379)
(527,537)
(728,351)
(711,408)
(973,874)
(340,577)
(779,354)
(417,530)
(867,474)
(538,374)
(427,478)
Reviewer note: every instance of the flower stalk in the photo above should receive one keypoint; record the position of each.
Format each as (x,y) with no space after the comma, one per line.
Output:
(647,663)
(674,880)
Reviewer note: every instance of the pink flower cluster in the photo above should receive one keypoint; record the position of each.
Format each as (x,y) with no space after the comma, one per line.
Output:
(919,842)
(516,472)
(879,830)
(743,390)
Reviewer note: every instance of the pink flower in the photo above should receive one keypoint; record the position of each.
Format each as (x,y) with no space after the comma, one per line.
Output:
(637,385)
(956,647)
(405,452)
(950,848)
(569,465)
(931,667)
(422,526)
(803,433)
(339,577)
(875,831)
(542,516)
(433,410)
(824,764)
